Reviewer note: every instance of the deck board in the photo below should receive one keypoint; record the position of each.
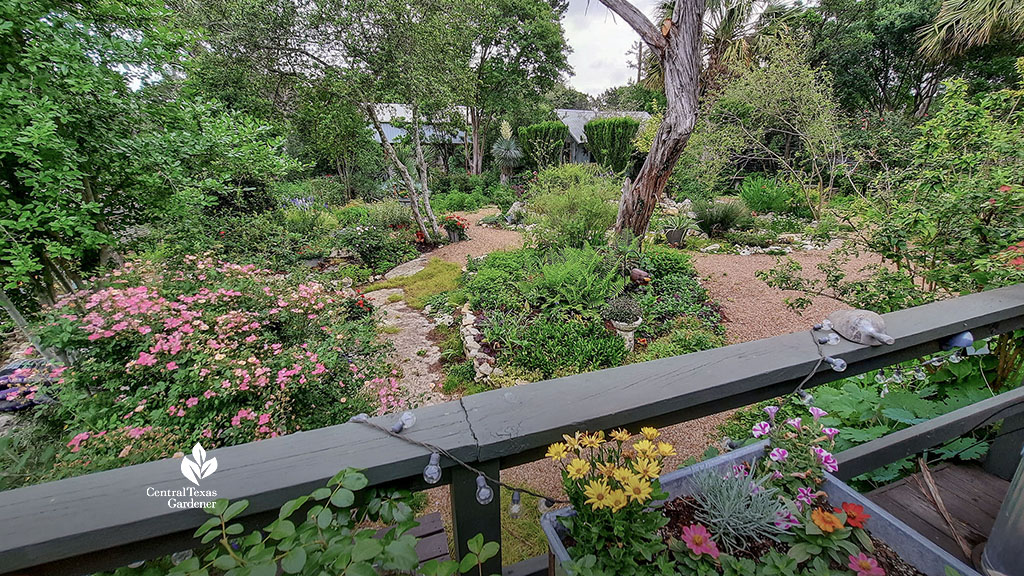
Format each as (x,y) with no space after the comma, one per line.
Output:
(971,495)
(433,540)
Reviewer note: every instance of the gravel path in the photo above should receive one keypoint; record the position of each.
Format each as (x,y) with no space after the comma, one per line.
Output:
(481,240)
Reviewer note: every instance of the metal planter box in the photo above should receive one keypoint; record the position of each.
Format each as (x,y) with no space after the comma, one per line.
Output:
(911,546)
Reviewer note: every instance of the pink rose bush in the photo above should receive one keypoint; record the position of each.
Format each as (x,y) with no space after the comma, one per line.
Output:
(210,351)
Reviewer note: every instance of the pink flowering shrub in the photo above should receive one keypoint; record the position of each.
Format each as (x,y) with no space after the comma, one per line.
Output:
(212,352)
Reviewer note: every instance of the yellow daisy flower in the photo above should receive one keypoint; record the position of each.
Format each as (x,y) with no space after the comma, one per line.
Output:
(666,449)
(573,442)
(645,448)
(578,468)
(650,433)
(647,468)
(617,500)
(597,493)
(623,475)
(621,435)
(557,451)
(606,469)
(639,490)
(592,440)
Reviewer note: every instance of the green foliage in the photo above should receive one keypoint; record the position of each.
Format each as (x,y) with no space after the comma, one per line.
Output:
(573,279)
(762,194)
(379,248)
(437,277)
(622,309)
(495,289)
(717,218)
(336,532)
(690,336)
(609,141)
(577,215)
(389,214)
(660,261)
(558,345)
(737,508)
(543,143)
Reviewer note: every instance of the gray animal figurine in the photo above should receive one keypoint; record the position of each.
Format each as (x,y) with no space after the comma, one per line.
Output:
(860,326)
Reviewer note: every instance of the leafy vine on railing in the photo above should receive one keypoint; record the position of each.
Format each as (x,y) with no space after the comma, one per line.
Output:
(337,534)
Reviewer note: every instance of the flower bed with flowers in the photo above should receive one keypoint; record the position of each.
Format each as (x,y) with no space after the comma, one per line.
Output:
(455,225)
(208,352)
(767,517)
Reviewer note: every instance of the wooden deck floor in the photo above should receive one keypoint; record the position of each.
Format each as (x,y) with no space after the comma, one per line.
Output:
(433,541)
(971,495)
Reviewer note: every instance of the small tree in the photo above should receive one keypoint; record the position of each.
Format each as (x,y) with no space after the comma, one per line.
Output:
(543,143)
(507,153)
(610,141)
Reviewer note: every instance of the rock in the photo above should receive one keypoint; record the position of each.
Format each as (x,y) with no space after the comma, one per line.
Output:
(407,269)
(485,369)
(468,320)
(498,372)
(445,320)
(711,248)
(790,238)
(672,211)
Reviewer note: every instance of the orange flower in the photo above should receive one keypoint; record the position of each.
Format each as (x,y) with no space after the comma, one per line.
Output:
(827,521)
(855,515)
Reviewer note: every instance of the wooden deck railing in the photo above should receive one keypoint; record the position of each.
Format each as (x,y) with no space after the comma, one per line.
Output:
(104,520)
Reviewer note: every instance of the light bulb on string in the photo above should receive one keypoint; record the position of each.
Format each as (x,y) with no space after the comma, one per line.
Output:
(805,397)
(544,504)
(516,508)
(825,324)
(919,374)
(955,357)
(408,419)
(937,361)
(880,377)
(484,494)
(885,390)
(897,376)
(831,340)
(432,472)
(359,418)
(837,364)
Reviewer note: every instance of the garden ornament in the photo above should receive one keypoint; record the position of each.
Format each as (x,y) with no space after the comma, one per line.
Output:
(638,276)
(860,326)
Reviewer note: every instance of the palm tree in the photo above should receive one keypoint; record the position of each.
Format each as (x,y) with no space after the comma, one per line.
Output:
(735,31)
(964,24)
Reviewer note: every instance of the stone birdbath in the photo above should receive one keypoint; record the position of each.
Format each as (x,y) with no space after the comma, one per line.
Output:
(624,315)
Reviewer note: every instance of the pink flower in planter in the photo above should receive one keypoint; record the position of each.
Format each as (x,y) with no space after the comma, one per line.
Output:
(865,565)
(804,496)
(830,432)
(698,540)
(786,520)
(794,422)
(771,410)
(760,429)
(817,413)
(779,454)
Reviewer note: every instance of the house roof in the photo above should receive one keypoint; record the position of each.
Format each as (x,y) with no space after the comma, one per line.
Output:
(391,114)
(577,119)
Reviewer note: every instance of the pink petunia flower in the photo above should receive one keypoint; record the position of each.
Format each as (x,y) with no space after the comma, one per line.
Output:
(779,454)
(817,413)
(760,429)
(771,410)
(794,422)
(698,540)
(830,432)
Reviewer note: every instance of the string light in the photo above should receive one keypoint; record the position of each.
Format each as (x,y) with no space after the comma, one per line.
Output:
(516,508)
(405,421)
(955,357)
(544,504)
(880,377)
(825,324)
(832,339)
(837,364)
(897,376)
(484,494)
(805,397)
(432,472)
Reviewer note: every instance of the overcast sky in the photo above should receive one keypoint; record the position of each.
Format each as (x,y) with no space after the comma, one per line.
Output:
(599,42)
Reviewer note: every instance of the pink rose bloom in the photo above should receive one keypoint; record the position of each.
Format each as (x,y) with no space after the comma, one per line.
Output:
(698,540)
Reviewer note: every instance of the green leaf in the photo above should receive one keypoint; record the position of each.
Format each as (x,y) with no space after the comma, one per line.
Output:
(294,561)
(469,561)
(225,562)
(354,481)
(366,549)
(282,529)
(265,569)
(360,569)
(206,527)
(291,506)
(476,543)
(324,518)
(490,550)
(320,494)
(235,509)
(343,498)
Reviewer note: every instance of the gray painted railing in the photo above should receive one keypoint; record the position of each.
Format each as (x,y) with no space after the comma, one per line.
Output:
(104,520)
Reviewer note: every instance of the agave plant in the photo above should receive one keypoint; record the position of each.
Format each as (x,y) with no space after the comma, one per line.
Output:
(506,152)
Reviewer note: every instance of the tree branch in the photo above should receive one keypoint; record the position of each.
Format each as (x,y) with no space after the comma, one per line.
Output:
(638,22)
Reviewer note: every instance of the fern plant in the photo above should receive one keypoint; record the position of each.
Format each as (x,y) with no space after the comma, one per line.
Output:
(738,508)
(574,279)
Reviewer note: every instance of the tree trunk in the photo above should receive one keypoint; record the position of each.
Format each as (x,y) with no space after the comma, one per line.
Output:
(477,165)
(421,167)
(389,151)
(679,52)
(107,253)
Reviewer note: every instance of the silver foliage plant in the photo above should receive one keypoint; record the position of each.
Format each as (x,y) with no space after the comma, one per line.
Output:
(737,509)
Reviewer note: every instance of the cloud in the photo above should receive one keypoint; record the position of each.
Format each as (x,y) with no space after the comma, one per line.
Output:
(600,40)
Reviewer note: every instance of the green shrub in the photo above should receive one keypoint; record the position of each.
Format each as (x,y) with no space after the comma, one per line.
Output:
(573,279)
(389,214)
(762,194)
(687,182)
(559,345)
(308,221)
(575,216)
(558,179)
(750,238)
(458,377)
(610,141)
(377,247)
(661,262)
(669,297)
(543,143)
(717,218)
(494,289)
(243,197)
(514,262)
(691,337)
(352,214)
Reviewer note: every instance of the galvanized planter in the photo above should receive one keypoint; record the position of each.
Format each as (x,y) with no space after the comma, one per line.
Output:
(911,546)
